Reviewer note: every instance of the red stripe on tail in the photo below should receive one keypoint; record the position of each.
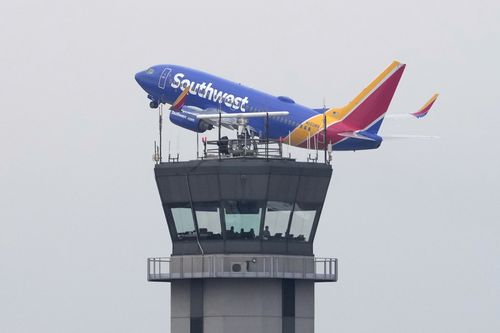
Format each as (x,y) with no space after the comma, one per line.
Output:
(376,104)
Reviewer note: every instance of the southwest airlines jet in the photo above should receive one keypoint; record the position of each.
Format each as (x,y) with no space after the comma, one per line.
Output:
(199,101)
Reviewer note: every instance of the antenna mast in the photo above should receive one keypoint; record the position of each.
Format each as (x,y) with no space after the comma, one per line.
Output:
(160,122)
(324,131)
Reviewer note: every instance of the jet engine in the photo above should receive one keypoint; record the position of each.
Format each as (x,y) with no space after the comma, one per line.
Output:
(189,122)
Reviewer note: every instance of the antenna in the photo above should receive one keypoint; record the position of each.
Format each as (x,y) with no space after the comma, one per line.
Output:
(308,147)
(220,122)
(267,135)
(330,149)
(156,155)
(177,143)
(220,125)
(315,138)
(325,146)
(160,122)
(289,144)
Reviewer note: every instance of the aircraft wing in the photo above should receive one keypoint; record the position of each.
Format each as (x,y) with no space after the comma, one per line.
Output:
(422,112)
(227,120)
(242,115)
(214,116)
(211,116)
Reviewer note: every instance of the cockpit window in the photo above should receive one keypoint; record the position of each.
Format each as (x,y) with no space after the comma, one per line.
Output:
(150,71)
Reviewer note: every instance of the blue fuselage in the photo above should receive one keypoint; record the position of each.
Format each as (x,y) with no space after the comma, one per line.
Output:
(164,83)
(209,93)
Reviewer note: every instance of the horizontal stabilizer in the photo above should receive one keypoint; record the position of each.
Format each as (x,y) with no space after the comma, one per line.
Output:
(403,137)
(243,115)
(363,135)
(399,116)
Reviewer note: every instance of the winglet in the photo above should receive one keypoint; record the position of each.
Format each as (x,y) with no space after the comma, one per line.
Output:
(422,112)
(179,102)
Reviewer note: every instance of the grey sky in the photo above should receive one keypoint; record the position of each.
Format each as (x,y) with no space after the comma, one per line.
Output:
(415,224)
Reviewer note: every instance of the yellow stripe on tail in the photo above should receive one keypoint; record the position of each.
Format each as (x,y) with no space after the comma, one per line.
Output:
(315,124)
(337,114)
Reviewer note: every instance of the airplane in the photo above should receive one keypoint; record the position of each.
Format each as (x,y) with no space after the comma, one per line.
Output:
(200,101)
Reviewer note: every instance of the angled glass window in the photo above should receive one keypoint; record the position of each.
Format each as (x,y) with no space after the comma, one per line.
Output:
(302,222)
(208,218)
(184,223)
(276,221)
(242,219)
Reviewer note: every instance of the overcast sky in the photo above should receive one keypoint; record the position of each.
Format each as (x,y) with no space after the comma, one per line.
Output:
(415,224)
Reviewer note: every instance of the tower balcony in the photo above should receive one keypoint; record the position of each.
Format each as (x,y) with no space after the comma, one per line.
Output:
(243,266)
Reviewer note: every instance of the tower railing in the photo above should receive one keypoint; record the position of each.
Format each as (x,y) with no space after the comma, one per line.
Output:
(242,147)
(235,266)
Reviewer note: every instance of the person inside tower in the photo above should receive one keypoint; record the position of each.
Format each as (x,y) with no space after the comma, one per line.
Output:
(230,233)
(266,234)
(223,144)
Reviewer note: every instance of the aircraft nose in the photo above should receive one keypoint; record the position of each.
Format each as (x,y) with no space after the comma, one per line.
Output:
(141,78)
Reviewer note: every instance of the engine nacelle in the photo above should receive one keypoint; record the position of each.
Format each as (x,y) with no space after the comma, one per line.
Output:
(189,122)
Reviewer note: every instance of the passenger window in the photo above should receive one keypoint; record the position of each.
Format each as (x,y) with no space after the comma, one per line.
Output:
(184,223)
(242,219)
(276,221)
(302,222)
(208,219)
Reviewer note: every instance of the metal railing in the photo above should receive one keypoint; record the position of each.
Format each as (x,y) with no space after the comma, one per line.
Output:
(236,266)
(242,147)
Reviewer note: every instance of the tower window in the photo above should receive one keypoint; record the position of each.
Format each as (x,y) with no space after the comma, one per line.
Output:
(184,223)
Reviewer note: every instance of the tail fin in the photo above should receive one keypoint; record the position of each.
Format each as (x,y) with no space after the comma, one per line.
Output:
(366,111)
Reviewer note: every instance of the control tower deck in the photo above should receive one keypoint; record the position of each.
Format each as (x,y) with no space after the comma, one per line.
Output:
(249,205)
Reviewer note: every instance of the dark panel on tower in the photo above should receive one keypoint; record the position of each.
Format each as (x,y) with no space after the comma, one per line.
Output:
(283,187)
(312,189)
(243,186)
(173,188)
(204,187)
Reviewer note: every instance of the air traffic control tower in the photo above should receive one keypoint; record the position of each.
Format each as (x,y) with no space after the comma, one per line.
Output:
(242,225)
